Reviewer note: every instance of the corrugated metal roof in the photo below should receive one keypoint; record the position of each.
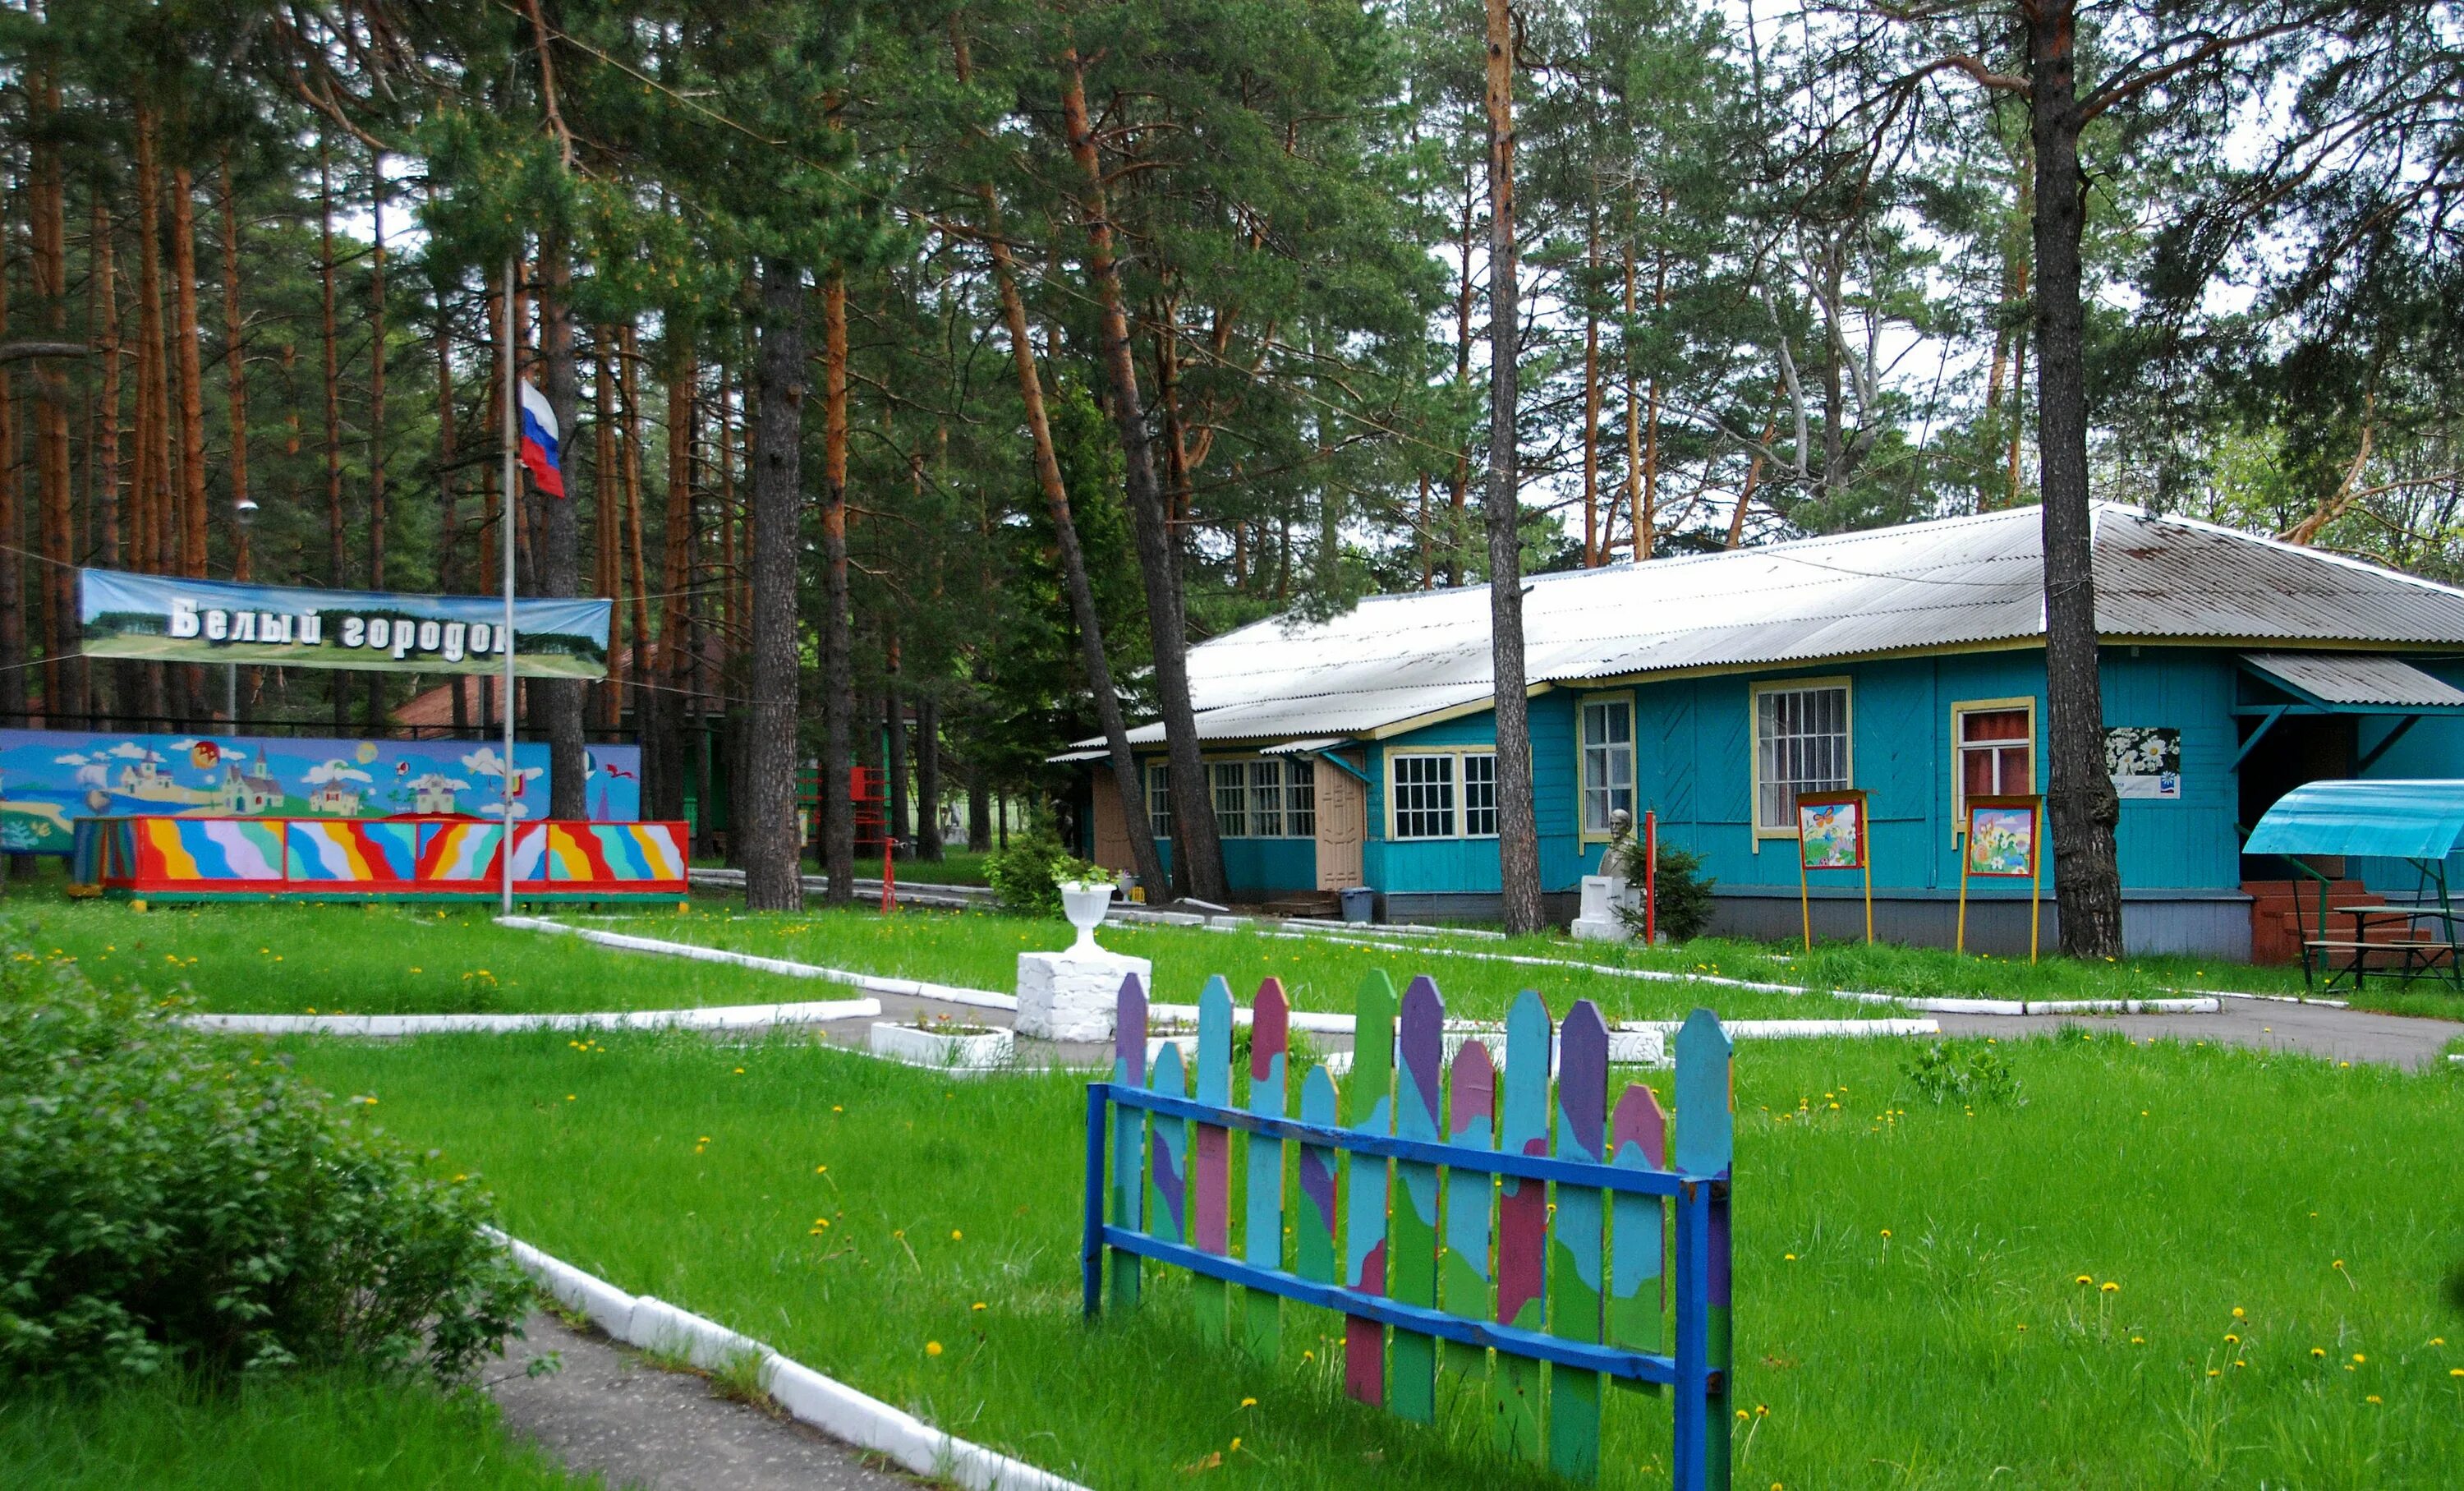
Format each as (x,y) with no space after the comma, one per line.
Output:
(2357,678)
(1954,581)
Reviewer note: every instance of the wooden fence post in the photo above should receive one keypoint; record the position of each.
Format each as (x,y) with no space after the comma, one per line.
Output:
(1574,1248)
(1412,1248)
(1522,1222)
(1210,1159)
(1369,1107)
(1463,1276)
(1638,1229)
(1262,1227)
(1129,1137)
(1706,1126)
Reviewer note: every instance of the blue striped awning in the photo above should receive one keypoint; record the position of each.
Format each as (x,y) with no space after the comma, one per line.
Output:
(2399,820)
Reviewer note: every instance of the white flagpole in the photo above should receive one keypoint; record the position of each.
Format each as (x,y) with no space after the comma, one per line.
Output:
(505,520)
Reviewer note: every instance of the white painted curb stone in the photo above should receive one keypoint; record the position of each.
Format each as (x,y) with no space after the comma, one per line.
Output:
(987,1052)
(833,1406)
(914,988)
(712,1017)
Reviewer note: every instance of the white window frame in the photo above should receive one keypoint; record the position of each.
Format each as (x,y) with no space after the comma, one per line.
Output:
(1248,815)
(1300,796)
(1583,748)
(1463,792)
(1158,781)
(1754,746)
(1959,751)
(1393,794)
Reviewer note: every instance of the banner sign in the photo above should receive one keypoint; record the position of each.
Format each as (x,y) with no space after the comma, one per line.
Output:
(50,778)
(166,618)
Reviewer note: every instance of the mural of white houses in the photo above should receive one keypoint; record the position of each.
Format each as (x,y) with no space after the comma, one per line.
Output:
(1907,663)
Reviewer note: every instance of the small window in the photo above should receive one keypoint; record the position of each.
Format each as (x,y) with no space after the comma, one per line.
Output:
(1424,796)
(1479,795)
(1800,746)
(1159,800)
(1994,754)
(1231,780)
(1300,799)
(1608,762)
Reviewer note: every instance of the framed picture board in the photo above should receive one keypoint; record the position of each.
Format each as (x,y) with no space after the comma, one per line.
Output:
(2005,836)
(2002,837)
(1831,831)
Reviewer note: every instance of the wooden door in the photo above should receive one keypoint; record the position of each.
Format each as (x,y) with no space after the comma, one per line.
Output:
(1342,824)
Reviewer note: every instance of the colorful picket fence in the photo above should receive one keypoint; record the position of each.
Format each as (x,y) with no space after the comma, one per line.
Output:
(1473,1224)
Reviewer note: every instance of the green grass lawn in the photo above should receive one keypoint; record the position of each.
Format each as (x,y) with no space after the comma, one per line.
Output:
(2287,1245)
(312,1430)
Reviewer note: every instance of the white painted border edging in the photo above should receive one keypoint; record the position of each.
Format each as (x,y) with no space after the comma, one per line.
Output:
(712,1017)
(828,1405)
(914,988)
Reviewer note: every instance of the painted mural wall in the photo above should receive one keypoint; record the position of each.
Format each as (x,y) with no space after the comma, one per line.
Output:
(50,778)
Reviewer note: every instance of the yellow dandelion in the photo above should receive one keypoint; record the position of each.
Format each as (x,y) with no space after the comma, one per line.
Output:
(955,1234)
(2109,1287)
(1248,1402)
(1788,1257)
(2084,1279)
(2359,1358)
(932,1348)
(977,1305)
(2372,1398)
(1236,1445)
(2230,1339)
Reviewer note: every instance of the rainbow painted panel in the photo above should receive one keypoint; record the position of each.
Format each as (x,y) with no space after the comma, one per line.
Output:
(353,851)
(459,851)
(530,848)
(632,850)
(208,850)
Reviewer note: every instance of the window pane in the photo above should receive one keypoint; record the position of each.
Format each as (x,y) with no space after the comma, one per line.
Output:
(1266,799)
(1993,724)
(1479,796)
(2016,779)
(1159,800)
(1424,796)
(1231,817)
(1300,799)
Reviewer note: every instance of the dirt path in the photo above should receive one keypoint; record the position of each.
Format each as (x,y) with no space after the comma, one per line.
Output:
(2320,1030)
(606,1409)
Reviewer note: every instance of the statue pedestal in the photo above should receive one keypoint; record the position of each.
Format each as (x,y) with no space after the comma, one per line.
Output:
(1073,995)
(1598,923)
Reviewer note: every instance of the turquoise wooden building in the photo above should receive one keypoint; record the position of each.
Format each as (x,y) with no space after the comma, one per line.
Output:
(1907,663)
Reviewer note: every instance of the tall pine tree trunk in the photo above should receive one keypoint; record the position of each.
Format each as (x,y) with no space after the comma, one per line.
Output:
(1518,838)
(928,777)
(448,487)
(608,533)
(154,555)
(235,375)
(13,537)
(1459,490)
(557,702)
(1198,855)
(376,349)
(63,670)
(1594,549)
(646,700)
(106,472)
(1144,855)
(675,574)
(894,719)
(337,558)
(2084,809)
(766,819)
(838,647)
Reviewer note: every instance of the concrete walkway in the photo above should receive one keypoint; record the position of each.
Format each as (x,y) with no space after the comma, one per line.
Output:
(605,1409)
(2318,1030)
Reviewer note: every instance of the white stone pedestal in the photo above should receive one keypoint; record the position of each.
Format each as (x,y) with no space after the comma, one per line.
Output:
(1072,995)
(1598,923)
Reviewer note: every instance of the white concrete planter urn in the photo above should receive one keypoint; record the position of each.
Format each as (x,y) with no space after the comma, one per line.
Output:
(1083,902)
(959,1048)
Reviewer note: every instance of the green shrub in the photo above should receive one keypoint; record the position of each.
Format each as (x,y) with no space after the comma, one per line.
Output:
(1681,888)
(175,1200)
(1942,1074)
(1027,877)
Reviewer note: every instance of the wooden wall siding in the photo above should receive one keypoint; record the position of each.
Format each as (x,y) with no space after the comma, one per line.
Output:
(1582,1271)
(1470,864)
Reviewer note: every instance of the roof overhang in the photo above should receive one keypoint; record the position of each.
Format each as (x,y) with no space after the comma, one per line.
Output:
(2351,684)
(2392,819)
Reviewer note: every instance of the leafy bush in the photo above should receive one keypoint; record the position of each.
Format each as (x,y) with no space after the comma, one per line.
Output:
(1026,876)
(170,1200)
(1681,888)
(1942,1074)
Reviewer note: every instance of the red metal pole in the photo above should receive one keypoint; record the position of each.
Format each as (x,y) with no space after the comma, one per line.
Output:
(1650,877)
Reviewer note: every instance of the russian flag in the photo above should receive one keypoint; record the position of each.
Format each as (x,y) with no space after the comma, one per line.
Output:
(538,441)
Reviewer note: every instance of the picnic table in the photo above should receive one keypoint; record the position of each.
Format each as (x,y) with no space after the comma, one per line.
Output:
(2418,822)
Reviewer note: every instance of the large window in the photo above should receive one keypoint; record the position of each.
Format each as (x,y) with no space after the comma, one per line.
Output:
(1480,795)
(1996,740)
(1608,762)
(1800,746)
(1300,799)
(1423,793)
(1231,798)
(1159,800)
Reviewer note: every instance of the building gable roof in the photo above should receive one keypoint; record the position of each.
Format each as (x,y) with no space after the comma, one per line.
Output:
(1956,582)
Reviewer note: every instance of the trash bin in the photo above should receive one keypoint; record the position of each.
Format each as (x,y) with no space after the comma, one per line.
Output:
(1359,903)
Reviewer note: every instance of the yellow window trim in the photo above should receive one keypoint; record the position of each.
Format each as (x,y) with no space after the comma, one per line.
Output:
(1843,682)
(1979,706)
(1386,789)
(1584,836)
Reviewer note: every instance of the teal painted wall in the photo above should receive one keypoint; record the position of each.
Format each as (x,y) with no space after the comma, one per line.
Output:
(1258,869)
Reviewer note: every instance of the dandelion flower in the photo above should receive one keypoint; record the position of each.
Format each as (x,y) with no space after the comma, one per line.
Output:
(2237,1312)
(1788,1257)
(1743,1415)
(2317,1354)
(932,1348)
(2084,1279)
(1248,1402)
(2372,1398)
(955,1234)
(2233,1339)
(977,1305)
(1886,1232)
(1236,1444)
(569,1097)
(2109,1287)
(2359,1358)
